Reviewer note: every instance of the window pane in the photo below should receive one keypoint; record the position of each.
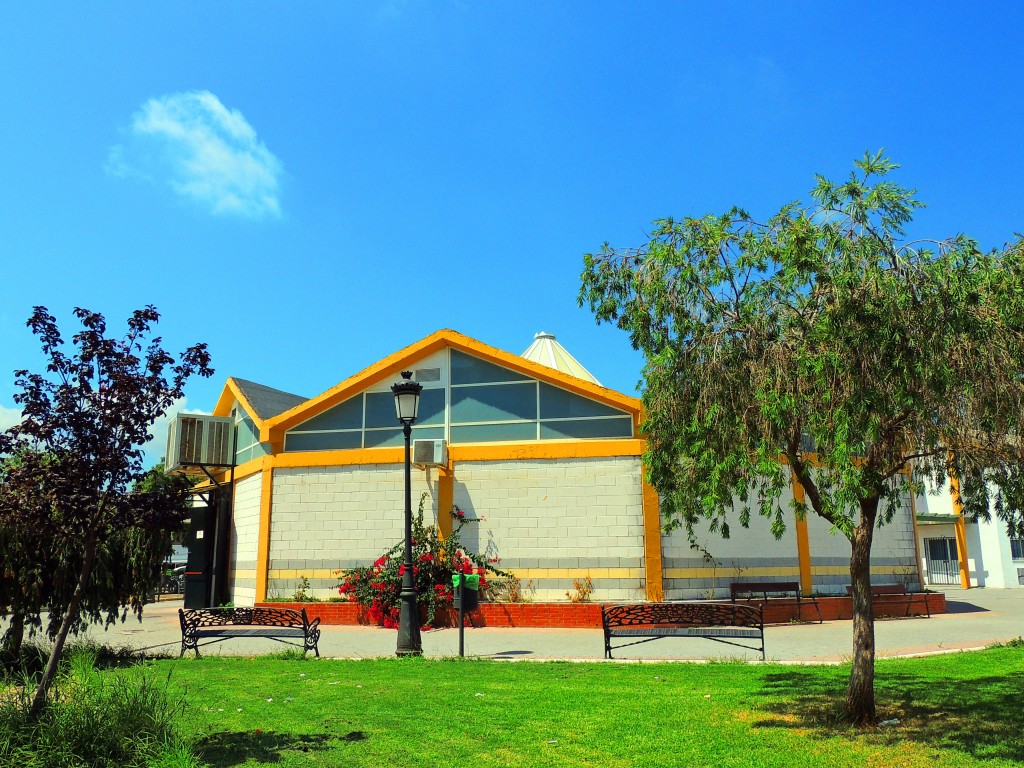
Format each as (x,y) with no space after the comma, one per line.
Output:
(470,370)
(1017,549)
(247,434)
(495,433)
(553,430)
(499,403)
(427,433)
(347,415)
(384,438)
(556,403)
(431,407)
(322,441)
(380,410)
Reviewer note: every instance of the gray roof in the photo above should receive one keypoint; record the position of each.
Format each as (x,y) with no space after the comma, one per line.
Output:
(267,402)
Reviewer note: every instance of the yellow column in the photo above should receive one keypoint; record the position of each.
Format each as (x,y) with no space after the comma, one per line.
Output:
(803,542)
(263,543)
(653,570)
(961,531)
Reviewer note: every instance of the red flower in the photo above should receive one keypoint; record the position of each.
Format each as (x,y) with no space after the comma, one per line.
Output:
(426,557)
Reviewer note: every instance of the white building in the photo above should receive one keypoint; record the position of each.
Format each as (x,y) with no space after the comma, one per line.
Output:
(955,552)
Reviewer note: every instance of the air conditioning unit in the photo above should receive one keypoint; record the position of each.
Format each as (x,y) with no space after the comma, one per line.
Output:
(197,440)
(429,453)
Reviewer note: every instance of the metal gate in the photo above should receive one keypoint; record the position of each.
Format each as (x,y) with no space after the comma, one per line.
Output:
(942,560)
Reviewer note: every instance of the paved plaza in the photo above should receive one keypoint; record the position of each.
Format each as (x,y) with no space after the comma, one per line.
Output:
(976,618)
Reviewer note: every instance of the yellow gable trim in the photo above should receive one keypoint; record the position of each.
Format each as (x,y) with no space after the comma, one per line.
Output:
(273,429)
(231,392)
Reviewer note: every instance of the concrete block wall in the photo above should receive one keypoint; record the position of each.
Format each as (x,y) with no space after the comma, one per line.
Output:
(749,554)
(554,521)
(893,553)
(245,529)
(324,519)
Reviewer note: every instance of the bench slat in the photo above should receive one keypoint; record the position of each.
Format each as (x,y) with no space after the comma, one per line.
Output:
(721,622)
(685,632)
(250,632)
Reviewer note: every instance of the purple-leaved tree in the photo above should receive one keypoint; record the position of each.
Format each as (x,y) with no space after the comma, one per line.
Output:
(74,474)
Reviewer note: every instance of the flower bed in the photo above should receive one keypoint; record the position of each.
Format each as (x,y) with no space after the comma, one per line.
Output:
(588,615)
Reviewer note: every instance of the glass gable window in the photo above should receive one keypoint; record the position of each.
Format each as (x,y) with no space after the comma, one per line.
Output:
(466,369)
(505,402)
(367,420)
(586,428)
(556,403)
(247,438)
(477,402)
(348,415)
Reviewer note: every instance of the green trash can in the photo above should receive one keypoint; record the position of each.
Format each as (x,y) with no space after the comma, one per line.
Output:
(472,591)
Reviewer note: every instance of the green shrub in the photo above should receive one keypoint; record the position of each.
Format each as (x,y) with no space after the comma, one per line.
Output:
(117,719)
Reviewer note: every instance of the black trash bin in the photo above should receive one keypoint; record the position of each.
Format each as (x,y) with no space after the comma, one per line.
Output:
(471,592)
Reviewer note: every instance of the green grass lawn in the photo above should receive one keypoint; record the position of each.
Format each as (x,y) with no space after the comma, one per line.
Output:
(955,710)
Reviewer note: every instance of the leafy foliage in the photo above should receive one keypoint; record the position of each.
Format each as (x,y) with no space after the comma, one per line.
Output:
(436,559)
(822,343)
(820,339)
(35,584)
(76,483)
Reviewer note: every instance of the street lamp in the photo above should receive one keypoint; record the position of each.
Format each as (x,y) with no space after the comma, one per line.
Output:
(407,403)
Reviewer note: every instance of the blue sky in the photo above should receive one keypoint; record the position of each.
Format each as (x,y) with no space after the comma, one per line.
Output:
(310,188)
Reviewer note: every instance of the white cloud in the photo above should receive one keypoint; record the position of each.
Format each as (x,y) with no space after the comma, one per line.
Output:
(156,448)
(203,151)
(9,417)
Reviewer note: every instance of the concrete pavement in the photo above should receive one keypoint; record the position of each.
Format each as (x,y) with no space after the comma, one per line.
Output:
(976,618)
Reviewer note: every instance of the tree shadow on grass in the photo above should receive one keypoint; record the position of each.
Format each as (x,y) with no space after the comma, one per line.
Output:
(231,748)
(979,716)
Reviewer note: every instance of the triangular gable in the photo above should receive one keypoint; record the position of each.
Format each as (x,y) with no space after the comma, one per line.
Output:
(392,365)
(260,402)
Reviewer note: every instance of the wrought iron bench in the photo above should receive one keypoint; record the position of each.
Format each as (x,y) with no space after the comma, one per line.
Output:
(887,594)
(721,622)
(787,592)
(284,625)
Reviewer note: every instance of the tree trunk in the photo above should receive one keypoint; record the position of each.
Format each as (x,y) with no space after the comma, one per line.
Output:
(14,637)
(43,689)
(860,695)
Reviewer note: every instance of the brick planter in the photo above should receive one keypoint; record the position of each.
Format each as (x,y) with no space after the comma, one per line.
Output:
(588,615)
(573,615)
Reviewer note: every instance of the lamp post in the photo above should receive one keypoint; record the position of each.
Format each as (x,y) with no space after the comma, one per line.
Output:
(407,403)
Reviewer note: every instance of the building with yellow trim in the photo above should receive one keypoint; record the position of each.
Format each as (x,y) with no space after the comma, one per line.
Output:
(958,552)
(548,461)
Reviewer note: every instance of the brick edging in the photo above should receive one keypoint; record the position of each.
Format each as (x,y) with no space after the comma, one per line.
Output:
(588,615)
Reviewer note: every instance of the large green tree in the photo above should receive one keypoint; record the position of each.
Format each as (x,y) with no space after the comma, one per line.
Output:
(77,481)
(824,343)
